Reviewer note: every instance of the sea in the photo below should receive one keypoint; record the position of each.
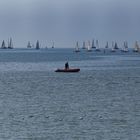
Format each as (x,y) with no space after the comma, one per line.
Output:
(101,102)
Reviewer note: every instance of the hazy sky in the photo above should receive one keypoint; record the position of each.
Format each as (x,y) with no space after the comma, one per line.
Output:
(66,21)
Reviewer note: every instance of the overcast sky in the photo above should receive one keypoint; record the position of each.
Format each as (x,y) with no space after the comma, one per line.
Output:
(66,21)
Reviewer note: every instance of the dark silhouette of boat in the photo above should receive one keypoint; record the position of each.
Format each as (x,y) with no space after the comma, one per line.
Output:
(68,70)
(53,45)
(3,45)
(29,45)
(93,46)
(84,45)
(10,44)
(116,46)
(37,45)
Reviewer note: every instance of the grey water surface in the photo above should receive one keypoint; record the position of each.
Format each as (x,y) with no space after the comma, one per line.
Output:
(101,102)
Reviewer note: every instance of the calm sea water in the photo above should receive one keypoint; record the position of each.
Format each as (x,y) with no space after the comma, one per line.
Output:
(101,102)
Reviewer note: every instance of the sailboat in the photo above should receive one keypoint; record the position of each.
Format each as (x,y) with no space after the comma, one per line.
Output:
(116,46)
(10,44)
(136,47)
(3,45)
(84,45)
(125,47)
(37,45)
(53,45)
(77,47)
(97,46)
(89,47)
(93,46)
(32,46)
(29,45)
(106,46)
(112,50)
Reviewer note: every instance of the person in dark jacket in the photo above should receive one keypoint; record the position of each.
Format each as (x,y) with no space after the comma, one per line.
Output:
(66,65)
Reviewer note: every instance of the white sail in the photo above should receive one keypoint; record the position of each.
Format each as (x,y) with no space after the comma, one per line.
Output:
(89,47)
(113,49)
(136,47)
(77,49)
(97,46)
(125,46)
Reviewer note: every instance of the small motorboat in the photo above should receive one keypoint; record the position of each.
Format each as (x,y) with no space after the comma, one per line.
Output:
(68,70)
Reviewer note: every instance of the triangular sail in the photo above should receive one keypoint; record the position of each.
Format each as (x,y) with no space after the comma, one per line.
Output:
(3,45)
(126,46)
(136,47)
(113,49)
(10,44)
(77,47)
(97,46)
(107,46)
(116,46)
(29,45)
(37,45)
(93,46)
(89,47)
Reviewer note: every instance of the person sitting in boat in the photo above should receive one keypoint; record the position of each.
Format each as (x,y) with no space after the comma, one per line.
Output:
(66,65)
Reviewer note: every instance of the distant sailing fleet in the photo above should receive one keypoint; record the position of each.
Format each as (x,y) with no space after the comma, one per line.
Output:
(94,46)
(10,44)
(29,45)
(38,46)
(87,45)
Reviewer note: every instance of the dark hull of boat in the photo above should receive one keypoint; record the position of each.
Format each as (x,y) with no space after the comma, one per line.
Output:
(67,70)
